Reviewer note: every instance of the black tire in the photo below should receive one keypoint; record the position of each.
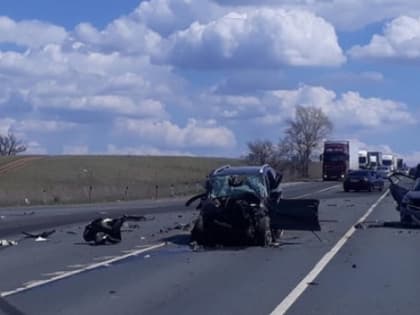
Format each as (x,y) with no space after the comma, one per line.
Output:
(263,236)
(405,219)
(370,188)
(198,233)
(346,189)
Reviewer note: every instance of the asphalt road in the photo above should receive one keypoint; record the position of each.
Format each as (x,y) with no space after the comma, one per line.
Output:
(369,271)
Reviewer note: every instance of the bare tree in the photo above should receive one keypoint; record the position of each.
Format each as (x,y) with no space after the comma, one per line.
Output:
(10,145)
(260,152)
(304,134)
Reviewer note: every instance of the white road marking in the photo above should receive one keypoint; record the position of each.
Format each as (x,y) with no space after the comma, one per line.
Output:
(284,306)
(317,192)
(57,273)
(34,284)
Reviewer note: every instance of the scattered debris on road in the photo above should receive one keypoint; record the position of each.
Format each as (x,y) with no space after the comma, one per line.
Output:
(5,243)
(39,236)
(103,231)
(313,283)
(384,224)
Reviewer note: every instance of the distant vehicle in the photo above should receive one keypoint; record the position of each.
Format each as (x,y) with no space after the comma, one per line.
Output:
(388,160)
(242,205)
(406,192)
(363,180)
(374,159)
(335,159)
(400,164)
(363,159)
(384,171)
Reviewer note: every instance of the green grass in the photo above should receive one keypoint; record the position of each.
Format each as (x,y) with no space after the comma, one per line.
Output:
(78,179)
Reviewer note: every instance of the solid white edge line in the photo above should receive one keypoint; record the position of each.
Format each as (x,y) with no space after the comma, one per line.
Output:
(284,306)
(78,271)
(317,192)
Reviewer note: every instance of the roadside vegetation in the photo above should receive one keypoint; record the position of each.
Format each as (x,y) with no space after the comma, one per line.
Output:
(297,152)
(80,179)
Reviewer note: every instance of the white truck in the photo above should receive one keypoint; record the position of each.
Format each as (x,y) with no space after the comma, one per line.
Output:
(363,159)
(389,161)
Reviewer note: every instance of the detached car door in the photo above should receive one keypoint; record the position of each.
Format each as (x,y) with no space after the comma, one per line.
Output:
(296,214)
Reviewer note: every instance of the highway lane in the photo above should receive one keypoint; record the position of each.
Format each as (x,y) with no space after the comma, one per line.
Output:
(174,279)
(66,249)
(14,220)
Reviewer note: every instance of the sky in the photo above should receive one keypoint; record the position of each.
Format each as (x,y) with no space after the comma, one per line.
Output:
(204,77)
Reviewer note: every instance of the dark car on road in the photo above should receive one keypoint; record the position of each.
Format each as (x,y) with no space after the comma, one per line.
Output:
(363,180)
(244,206)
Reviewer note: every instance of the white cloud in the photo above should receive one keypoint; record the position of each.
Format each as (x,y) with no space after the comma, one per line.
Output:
(33,147)
(76,149)
(196,134)
(168,16)
(343,14)
(348,110)
(400,39)
(144,150)
(33,34)
(261,37)
(124,35)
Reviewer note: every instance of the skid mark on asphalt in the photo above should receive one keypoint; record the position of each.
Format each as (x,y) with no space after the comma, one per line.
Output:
(38,283)
(285,305)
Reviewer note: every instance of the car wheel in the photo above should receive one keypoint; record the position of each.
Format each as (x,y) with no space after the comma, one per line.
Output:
(198,232)
(263,235)
(346,189)
(370,188)
(405,219)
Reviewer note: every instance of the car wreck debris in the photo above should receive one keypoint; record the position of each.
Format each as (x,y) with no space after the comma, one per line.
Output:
(40,236)
(5,243)
(406,192)
(243,206)
(103,231)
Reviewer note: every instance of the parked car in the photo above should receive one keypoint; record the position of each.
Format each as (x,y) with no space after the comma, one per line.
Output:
(363,180)
(384,171)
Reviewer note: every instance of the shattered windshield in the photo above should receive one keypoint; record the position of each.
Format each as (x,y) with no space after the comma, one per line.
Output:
(229,185)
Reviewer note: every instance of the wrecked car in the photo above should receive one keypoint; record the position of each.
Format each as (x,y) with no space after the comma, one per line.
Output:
(244,206)
(406,192)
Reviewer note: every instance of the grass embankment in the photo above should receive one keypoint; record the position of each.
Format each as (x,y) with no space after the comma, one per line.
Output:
(79,179)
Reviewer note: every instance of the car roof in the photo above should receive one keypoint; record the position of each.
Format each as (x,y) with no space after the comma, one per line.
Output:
(239,170)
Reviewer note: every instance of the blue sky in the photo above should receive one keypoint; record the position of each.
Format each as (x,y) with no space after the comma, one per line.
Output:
(203,77)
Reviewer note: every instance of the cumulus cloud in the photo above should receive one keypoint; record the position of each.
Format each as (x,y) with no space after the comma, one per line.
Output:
(400,39)
(168,16)
(196,134)
(344,14)
(34,147)
(75,149)
(144,150)
(349,109)
(261,37)
(32,34)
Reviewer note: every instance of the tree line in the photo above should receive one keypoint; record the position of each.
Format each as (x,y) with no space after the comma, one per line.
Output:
(304,134)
